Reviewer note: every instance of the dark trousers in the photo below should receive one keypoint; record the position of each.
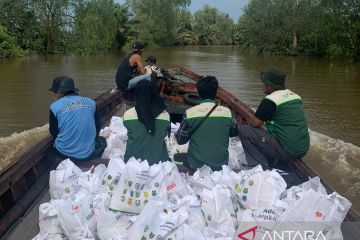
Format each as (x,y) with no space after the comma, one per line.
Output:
(100,145)
(261,147)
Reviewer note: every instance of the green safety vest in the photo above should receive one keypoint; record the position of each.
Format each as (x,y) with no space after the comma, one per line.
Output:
(140,143)
(209,143)
(288,123)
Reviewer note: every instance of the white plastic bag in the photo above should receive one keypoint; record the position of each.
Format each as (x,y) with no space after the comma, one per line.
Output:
(116,137)
(293,194)
(117,127)
(254,224)
(112,225)
(45,236)
(76,215)
(260,190)
(218,210)
(315,212)
(111,177)
(49,223)
(63,180)
(202,179)
(91,180)
(236,154)
(138,184)
(157,221)
(186,232)
(175,184)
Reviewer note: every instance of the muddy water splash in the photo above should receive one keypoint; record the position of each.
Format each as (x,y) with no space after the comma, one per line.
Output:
(19,143)
(338,163)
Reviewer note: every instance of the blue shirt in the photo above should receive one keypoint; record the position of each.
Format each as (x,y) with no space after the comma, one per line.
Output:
(76,123)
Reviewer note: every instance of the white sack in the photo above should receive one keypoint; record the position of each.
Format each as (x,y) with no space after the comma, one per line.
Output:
(91,180)
(112,225)
(315,212)
(186,232)
(156,221)
(218,210)
(236,154)
(76,215)
(138,184)
(111,177)
(48,219)
(294,193)
(260,190)
(175,184)
(46,236)
(63,180)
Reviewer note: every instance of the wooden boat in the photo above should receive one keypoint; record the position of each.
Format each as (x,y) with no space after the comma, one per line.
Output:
(27,177)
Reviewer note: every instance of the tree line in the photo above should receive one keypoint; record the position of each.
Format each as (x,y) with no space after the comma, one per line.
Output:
(328,28)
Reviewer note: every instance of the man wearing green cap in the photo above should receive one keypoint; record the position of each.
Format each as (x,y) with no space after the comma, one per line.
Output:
(74,122)
(287,136)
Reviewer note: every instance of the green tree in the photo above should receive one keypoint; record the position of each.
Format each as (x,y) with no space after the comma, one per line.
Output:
(184,33)
(212,27)
(99,25)
(311,27)
(8,46)
(19,17)
(155,21)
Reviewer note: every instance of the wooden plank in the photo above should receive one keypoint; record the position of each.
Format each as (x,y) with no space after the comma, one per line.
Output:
(22,205)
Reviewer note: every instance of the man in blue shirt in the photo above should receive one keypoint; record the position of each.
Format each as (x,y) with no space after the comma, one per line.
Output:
(74,122)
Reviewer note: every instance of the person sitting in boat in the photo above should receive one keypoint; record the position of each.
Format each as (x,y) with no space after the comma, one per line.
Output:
(287,136)
(208,127)
(147,123)
(74,122)
(157,74)
(131,70)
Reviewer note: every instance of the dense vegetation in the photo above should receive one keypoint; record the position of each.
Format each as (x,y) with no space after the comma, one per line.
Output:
(309,27)
(297,27)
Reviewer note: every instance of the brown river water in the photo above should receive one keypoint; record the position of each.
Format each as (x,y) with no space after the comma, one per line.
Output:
(330,92)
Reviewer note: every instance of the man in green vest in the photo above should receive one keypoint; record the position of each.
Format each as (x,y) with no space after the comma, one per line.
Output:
(287,136)
(209,137)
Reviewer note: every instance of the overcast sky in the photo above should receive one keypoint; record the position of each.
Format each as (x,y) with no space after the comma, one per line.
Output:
(232,7)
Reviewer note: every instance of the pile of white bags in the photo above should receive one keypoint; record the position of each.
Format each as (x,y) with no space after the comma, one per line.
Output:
(116,137)
(135,201)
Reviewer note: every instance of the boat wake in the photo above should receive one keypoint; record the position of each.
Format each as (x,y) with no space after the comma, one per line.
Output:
(20,142)
(337,162)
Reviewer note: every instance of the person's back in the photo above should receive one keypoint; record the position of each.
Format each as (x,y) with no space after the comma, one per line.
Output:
(209,141)
(287,137)
(147,123)
(74,122)
(77,131)
(288,123)
(125,72)
(140,143)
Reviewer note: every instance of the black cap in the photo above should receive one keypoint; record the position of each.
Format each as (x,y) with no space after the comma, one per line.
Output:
(151,59)
(138,46)
(63,84)
(274,77)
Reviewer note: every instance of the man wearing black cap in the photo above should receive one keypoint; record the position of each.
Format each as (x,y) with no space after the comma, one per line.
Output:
(287,136)
(131,69)
(74,122)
